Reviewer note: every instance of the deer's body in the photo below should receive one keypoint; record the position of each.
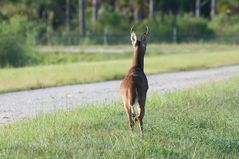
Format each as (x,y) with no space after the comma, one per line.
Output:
(134,86)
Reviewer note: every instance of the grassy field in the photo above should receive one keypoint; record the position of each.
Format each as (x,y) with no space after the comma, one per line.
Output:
(72,54)
(201,122)
(168,59)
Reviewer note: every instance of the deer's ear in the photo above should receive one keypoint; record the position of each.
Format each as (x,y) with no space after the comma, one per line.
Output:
(133,38)
(144,37)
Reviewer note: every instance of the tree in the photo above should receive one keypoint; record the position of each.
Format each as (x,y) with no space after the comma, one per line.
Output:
(225,5)
(198,6)
(94,13)
(82,21)
(68,15)
(139,9)
(151,8)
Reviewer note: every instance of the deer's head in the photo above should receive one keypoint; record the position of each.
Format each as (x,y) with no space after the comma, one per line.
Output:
(139,43)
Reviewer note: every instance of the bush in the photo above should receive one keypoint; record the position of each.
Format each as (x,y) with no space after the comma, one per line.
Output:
(159,25)
(15,40)
(191,25)
(111,20)
(13,51)
(224,24)
(192,28)
(16,24)
(188,27)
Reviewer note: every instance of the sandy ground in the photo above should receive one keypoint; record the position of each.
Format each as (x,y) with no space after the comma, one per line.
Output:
(24,104)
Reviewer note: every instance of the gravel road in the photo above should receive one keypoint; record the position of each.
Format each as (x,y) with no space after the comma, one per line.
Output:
(24,104)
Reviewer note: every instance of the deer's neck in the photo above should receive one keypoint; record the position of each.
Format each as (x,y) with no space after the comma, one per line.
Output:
(138,58)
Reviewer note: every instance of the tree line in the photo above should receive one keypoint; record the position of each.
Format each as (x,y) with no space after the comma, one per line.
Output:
(92,16)
(85,21)
(26,23)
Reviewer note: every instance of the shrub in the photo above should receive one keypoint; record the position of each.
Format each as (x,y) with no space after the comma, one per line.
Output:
(13,51)
(110,19)
(159,25)
(188,27)
(192,28)
(15,40)
(224,24)
(16,24)
(191,25)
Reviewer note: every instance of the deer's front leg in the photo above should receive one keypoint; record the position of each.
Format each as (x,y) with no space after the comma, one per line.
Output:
(141,111)
(140,118)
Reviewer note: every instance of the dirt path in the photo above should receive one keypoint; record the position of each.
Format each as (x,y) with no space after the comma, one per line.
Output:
(25,104)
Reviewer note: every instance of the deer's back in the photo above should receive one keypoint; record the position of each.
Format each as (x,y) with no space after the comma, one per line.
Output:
(134,79)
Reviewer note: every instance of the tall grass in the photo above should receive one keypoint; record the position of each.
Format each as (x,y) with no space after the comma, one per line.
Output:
(202,122)
(85,72)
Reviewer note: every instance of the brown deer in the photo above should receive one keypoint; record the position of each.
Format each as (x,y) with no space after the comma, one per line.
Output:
(134,86)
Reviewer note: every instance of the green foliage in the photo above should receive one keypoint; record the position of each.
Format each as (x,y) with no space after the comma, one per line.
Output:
(187,25)
(159,24)
(20,26)
(195,123)
(191,25)
(13,51)
(109,19)
(37,34)
(16,24)
(14,47)
(225,24)
(49,16)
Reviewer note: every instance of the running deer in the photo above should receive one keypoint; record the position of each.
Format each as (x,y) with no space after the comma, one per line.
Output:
(134,86)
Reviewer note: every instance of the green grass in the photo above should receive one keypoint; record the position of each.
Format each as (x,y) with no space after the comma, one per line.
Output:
(64,58)
(78,68)
(201,122)
(59,55)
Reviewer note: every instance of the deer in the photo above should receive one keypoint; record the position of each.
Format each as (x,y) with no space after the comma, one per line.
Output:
(134,86)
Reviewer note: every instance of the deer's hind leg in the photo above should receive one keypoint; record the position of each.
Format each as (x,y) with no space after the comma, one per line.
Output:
(128,111)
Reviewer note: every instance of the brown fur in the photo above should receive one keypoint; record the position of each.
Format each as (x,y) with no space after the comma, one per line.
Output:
(135,85)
